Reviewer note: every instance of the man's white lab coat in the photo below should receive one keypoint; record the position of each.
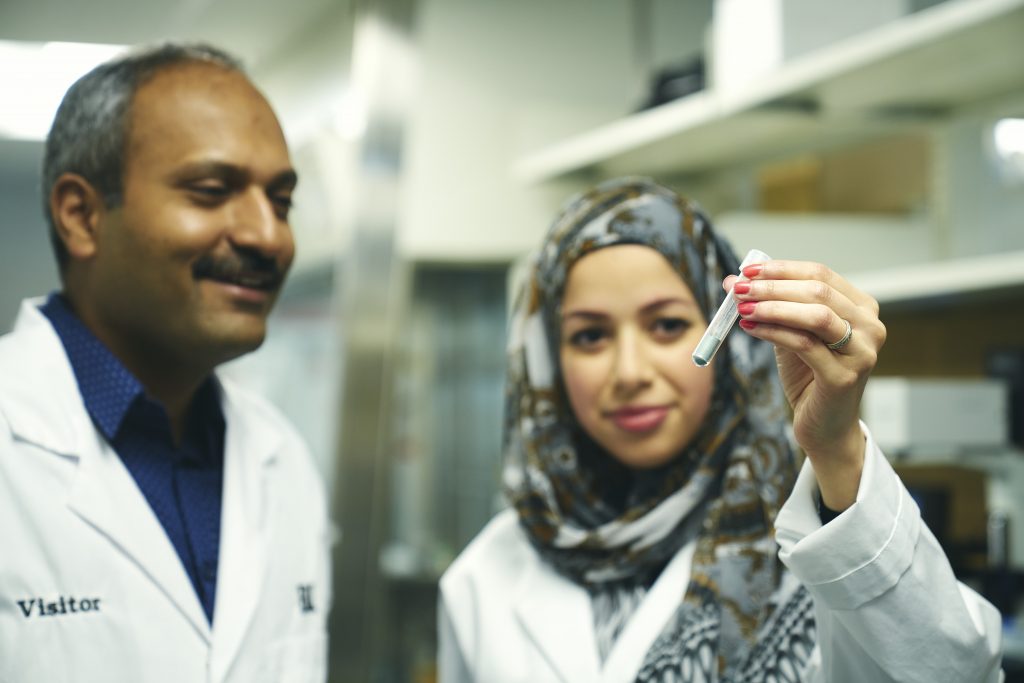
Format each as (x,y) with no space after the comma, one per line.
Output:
(887,605)
(91,589)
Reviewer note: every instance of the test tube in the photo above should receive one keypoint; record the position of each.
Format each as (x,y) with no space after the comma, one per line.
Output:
(725,318)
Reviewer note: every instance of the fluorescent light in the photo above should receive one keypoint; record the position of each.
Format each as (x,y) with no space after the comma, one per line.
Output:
(1008,142)
(1009,138)
(34,78)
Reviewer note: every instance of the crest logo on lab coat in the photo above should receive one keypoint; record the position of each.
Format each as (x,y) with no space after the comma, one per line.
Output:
(306,597)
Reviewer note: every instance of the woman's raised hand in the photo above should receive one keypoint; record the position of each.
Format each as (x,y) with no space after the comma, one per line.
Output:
(827,336)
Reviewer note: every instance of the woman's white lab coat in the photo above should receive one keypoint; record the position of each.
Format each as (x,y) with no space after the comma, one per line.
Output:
(91,589)
(887,605)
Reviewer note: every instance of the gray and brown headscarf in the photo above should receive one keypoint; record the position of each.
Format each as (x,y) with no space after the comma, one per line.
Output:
(743,617)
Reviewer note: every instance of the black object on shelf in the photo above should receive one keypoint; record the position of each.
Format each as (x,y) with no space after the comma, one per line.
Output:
(674,82)
(1008,364)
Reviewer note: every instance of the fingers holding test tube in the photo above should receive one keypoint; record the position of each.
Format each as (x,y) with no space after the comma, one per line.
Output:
(827,336)
(810,310)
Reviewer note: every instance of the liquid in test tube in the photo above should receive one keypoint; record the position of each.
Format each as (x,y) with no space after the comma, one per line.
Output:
(725,318)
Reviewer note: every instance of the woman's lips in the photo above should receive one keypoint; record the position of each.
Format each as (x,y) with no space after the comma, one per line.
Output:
(641,419)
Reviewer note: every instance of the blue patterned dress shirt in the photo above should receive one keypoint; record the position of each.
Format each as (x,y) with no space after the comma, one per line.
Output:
(181,482)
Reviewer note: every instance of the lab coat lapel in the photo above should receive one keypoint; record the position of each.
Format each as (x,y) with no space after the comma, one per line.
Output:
(106,497)
(249,454)
(556,614)
(658,606)
(45,408)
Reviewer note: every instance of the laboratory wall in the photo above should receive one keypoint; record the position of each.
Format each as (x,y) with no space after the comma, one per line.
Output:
(27,266)
(501,79)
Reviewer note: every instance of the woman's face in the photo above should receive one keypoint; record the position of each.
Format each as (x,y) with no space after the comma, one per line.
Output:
(629,326)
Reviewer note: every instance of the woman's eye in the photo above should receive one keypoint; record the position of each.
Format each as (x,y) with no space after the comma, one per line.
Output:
(670,327)
(587,338)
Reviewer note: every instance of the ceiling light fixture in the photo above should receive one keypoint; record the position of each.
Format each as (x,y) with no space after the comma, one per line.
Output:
(1008,144)
(34,78)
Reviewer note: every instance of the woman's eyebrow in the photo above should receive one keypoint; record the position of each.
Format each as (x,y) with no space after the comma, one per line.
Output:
(589,314)
(665,301)
(585,314)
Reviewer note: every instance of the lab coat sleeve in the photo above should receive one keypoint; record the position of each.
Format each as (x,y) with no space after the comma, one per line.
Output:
(887,604)
(451,663)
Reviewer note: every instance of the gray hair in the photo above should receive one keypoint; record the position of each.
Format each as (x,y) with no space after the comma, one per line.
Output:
(90,129)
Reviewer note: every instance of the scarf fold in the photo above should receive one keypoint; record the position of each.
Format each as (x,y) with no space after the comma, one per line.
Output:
(742,618)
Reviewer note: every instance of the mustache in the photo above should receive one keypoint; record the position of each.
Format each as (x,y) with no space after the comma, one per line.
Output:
(245,268)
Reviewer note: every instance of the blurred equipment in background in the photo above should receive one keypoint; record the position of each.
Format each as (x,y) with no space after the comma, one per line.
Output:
(445,450)
(952,500)
(949,439)
(974,522)
(371,293)
(929,415)
(1008,365)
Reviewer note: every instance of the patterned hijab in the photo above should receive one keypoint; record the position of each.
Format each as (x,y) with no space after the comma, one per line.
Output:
(743,617)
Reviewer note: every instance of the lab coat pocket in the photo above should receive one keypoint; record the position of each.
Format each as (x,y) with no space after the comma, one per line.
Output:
(298,659)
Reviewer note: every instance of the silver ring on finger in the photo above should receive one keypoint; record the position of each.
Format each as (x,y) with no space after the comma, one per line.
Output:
(837,345)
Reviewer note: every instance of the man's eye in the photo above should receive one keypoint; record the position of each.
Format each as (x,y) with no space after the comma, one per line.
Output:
(283,203)
(587,338)
(209,191)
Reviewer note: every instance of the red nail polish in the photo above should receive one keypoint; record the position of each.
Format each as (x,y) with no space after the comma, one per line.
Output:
(753,271)
(741,288)
(746,308)
(748,324)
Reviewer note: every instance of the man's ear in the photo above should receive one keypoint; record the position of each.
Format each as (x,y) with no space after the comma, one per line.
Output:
(77,210)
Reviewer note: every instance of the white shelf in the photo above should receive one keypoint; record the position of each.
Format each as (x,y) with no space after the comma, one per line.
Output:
(955,277)
(910,71)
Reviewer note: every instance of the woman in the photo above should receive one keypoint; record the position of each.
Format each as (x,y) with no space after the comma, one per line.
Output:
(652,500)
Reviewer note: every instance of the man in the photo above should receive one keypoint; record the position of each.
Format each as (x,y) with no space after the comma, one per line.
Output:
(157,523)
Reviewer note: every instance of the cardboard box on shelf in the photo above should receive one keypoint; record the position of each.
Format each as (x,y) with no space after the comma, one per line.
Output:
(885,176)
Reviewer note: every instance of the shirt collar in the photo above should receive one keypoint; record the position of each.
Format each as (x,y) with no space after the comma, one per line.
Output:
(108,388)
